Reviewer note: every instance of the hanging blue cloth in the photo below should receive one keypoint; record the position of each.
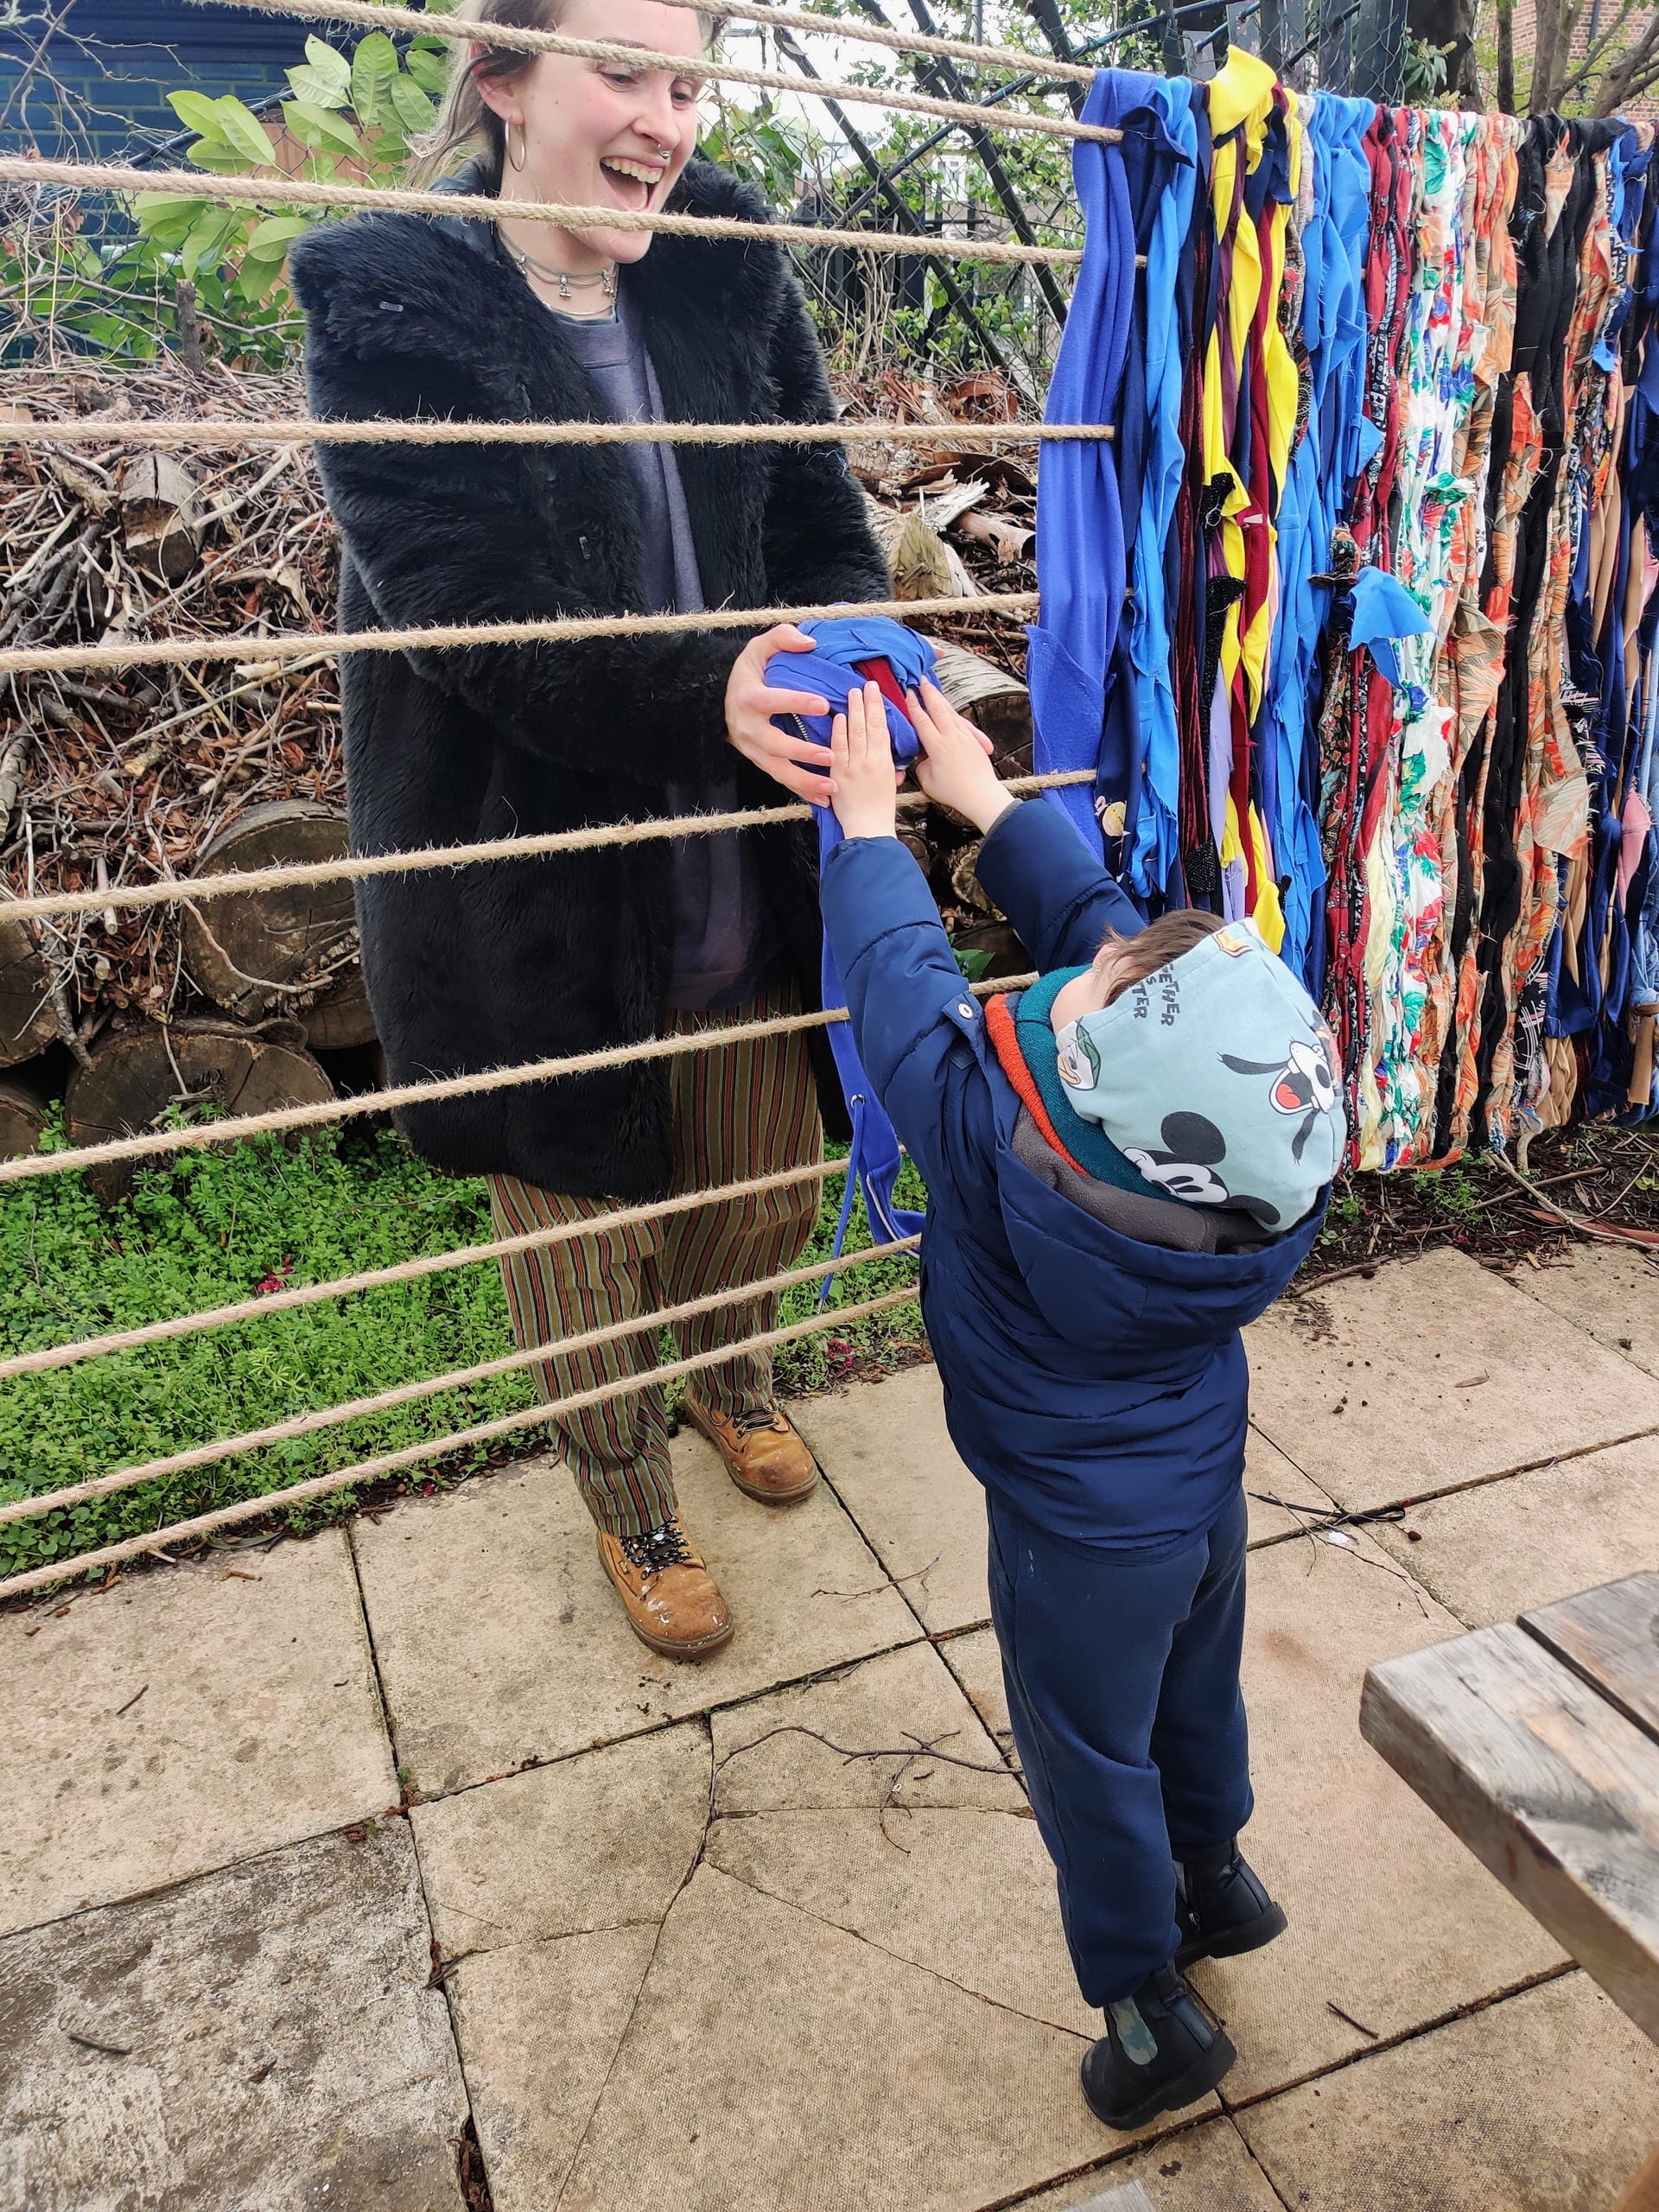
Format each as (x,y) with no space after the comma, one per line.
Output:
(842,650)
(1164,133)
(1081,561)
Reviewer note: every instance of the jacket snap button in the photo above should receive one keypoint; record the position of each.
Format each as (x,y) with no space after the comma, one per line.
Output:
(966,1009)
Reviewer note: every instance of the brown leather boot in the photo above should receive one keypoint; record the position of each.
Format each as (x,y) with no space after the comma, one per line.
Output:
(672,1602)
(764,1455)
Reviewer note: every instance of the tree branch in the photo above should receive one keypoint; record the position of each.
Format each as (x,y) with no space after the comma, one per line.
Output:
(1596,56)
(1639,69)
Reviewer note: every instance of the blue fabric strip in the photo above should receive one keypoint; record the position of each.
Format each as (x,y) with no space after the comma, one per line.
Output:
(839,648)
(1081,561)
(1153,868)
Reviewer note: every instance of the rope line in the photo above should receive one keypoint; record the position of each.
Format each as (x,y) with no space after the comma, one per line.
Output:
(163,433)
(299,191)
(237,1128)
(433,1386)
(729,72)
(233,882)
(411,1455)
(429,1263)
(847,27)
(293,644)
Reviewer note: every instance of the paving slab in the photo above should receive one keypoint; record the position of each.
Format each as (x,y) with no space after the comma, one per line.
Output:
(1391,1920)
(500,1641)
(884,1448)
(775,2063)
(262,2037)
(1612,1294)
(1204,2168)
(936,1863)
(1548,2102)
(596,1842)
(857,1740)
(183,1719)
(860,1936)
(1436,1372)
(546,1891)
(1489,1554)
(539,2025)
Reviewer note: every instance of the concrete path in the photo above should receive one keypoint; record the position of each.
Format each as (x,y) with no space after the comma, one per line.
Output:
(339,1873)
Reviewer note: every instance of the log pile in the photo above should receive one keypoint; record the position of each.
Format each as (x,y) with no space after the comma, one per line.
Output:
(157,772)
(166,772)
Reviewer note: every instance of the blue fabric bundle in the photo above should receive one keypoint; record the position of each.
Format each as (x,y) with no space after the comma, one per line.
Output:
(1162,144)
(1081,559)
(841,648)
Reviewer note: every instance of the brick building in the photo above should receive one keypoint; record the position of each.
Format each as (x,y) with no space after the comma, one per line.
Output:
(1592,23)
(117,60)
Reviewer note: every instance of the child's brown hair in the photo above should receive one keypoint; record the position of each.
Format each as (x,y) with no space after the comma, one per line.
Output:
(1160,942)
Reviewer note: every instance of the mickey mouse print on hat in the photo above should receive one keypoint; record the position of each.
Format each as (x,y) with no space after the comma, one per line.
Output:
(1216,1077)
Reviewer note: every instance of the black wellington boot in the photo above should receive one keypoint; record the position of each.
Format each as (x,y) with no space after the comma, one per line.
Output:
(1222,1908)
(1161,2050)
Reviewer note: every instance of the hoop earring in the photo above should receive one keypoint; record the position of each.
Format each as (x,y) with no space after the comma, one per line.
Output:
(524,148)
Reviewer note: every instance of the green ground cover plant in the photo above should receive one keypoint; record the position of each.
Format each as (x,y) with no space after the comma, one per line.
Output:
(218,1226)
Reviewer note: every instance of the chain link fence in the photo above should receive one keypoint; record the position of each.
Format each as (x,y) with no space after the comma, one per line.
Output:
(1362,49)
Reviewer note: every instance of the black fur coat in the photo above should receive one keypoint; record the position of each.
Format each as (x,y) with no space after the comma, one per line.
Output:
(522,960)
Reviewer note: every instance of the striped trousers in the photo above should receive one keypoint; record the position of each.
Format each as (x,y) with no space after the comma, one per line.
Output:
(739,1111)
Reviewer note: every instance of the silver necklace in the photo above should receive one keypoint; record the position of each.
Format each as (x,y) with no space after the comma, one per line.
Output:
(606,278)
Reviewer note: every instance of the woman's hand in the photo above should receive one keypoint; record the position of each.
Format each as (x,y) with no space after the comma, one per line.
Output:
(751,704)
(860,768)
(954,769)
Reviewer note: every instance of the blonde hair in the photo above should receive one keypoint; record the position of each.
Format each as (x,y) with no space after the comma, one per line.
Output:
(466,123)
(1160,942)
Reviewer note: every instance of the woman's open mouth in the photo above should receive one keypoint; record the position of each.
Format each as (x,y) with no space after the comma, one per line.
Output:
(632,185)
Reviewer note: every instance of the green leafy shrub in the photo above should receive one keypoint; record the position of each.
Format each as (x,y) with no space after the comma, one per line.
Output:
(219,1226)
(354,116)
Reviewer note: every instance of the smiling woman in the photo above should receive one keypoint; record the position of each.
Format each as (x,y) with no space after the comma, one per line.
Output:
(579,132)
(516,320)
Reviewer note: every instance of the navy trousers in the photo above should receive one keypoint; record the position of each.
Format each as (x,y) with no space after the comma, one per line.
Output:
(1122,1681)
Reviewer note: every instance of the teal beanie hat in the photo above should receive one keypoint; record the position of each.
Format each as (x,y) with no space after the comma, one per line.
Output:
(1218,1077)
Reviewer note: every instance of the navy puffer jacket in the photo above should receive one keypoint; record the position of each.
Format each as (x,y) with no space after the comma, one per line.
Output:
(1096,1384)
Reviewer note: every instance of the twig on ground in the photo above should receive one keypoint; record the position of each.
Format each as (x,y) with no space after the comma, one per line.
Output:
(898,1581)
(1580,1224)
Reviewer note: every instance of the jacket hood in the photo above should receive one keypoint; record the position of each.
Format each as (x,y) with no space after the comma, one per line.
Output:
(1136,1307)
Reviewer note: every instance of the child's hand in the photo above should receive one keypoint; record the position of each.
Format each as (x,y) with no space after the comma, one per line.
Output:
(863,781)
(954,769)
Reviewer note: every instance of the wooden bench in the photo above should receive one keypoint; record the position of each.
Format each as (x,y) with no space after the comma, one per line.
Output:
(1537,1743)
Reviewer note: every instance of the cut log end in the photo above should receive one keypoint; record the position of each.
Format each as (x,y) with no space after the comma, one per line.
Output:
(997,703)
(136,1075)
(28,1020)
(159,516)
(22,1118)
(292,953)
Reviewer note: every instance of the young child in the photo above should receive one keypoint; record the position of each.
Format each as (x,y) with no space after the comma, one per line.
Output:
(1125,1165)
